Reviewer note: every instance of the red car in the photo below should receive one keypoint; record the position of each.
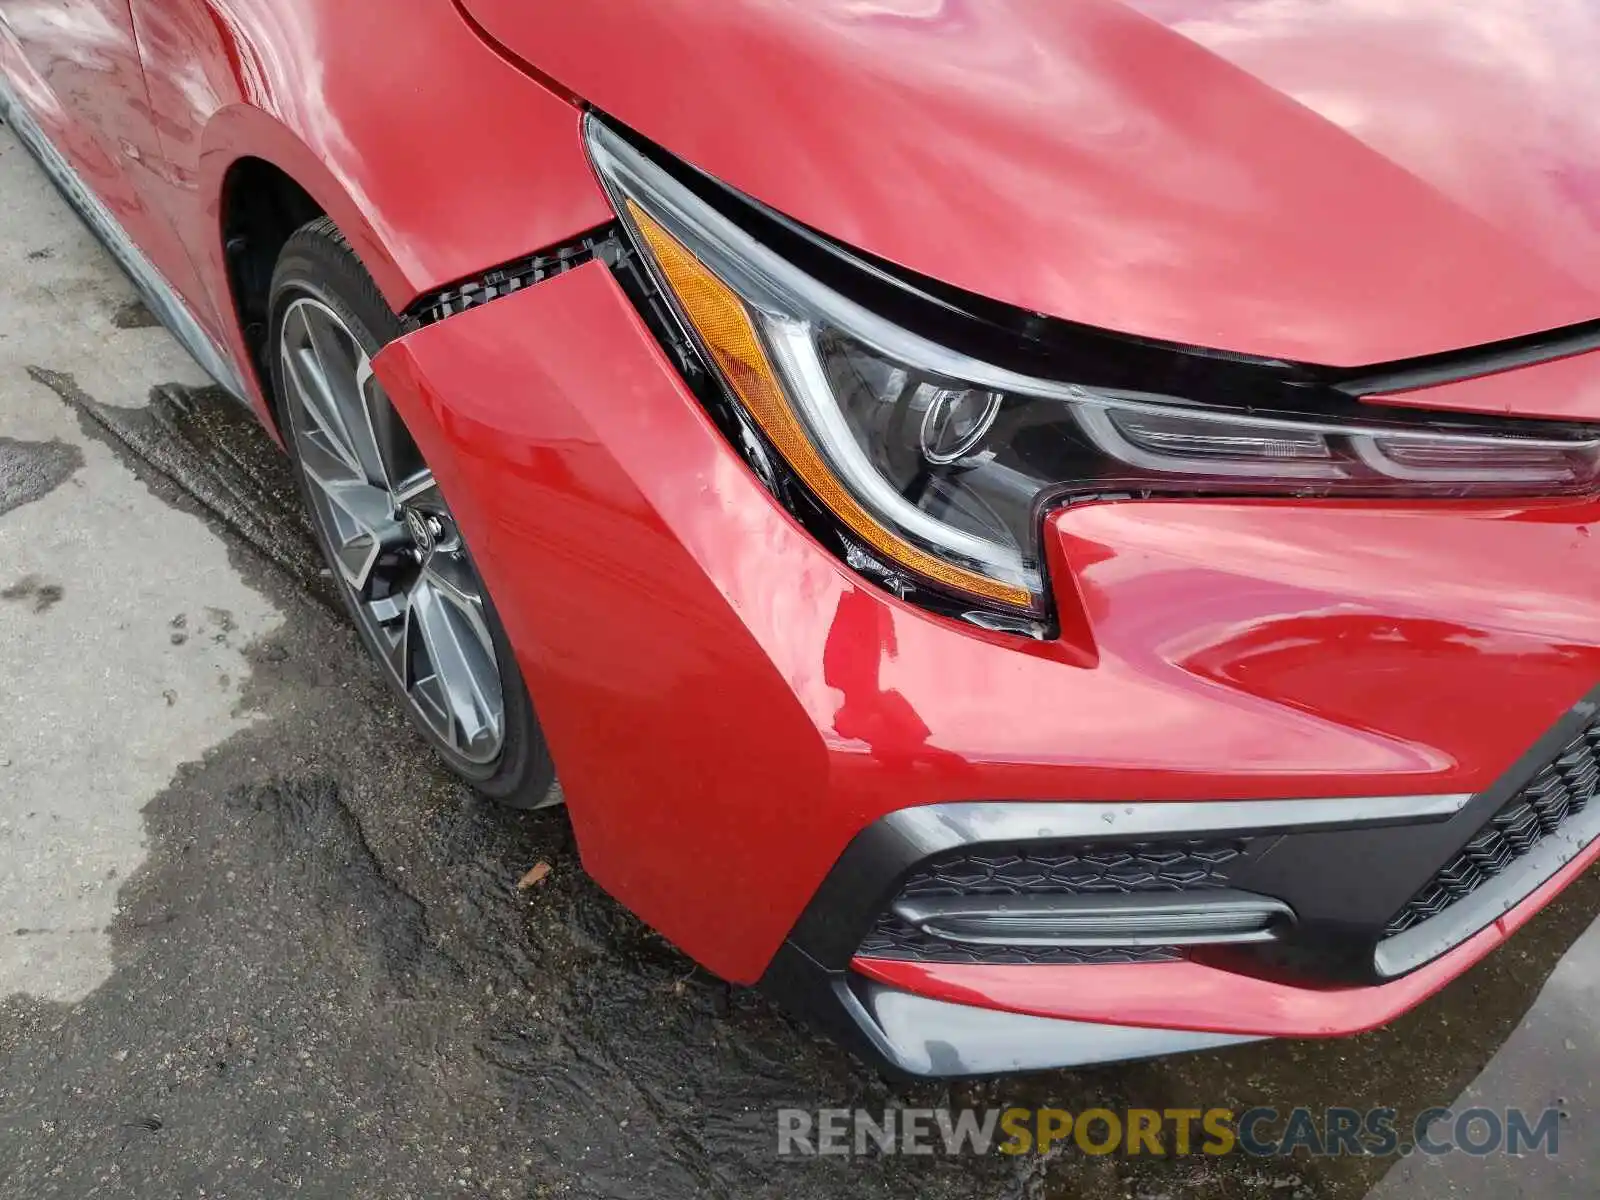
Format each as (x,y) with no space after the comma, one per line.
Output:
(1040,532)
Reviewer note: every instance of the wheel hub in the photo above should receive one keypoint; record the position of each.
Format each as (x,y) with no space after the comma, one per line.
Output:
(430,532)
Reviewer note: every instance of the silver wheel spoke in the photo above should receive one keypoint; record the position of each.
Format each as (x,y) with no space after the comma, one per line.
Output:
(418,677)
(460,667)
(452,576)
(388,453)
(303,375)
(360,525)
(390,534)
(420,490)
(453,580)
(336,379)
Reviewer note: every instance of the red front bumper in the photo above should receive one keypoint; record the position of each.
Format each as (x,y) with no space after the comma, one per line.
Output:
(1202,997)
(729,705)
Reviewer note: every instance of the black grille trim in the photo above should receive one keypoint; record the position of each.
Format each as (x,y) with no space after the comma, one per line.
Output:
(1561,790)
(1103,869)
(506,278)
(1099,869)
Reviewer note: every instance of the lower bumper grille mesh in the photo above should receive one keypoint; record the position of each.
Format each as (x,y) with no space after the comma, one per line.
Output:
(1083,870)
(1561,790)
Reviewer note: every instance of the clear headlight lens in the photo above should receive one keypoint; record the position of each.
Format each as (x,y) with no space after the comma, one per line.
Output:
(944,465)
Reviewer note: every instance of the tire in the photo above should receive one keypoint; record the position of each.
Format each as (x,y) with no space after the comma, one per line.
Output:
(444,653)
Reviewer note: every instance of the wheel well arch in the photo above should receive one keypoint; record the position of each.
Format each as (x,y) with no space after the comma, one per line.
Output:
(261,205)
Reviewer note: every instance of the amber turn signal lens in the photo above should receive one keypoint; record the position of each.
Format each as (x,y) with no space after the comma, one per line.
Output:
(725,328)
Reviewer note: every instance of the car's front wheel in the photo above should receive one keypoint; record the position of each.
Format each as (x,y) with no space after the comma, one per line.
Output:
(386,529)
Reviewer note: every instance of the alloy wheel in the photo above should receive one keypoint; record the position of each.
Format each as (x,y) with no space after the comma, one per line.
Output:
(393,541)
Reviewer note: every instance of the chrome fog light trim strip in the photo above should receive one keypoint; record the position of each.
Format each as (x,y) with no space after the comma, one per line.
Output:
(936,827)
(1159,919)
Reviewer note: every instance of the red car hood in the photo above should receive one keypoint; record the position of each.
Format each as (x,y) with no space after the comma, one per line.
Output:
(1340,182)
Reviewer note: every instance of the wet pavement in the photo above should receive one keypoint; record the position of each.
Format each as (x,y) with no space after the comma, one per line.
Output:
(253,942)
(1548,1062)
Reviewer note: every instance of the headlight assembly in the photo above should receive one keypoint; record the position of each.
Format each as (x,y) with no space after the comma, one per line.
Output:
(944,466)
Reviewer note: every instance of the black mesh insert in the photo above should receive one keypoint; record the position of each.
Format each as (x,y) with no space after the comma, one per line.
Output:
(503,280)
(1562,789)
(1086,870)
(1082,870)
